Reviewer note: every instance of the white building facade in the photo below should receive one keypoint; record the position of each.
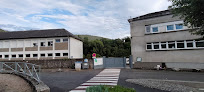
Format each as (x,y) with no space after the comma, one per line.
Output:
(50,44)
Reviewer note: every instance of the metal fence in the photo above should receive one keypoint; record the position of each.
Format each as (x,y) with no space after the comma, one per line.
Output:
(28,69)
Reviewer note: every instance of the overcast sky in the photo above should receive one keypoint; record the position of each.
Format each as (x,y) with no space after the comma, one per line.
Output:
(106,18)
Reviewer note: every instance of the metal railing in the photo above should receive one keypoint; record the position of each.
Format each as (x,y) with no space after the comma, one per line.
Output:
(28,69)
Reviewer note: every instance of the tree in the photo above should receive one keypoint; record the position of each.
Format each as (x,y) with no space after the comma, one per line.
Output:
(193,13)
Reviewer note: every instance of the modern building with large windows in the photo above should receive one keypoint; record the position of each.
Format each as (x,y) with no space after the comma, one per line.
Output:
(40,44)
(159,38)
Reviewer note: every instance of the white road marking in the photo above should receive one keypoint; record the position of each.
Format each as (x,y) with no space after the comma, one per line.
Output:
(105,77)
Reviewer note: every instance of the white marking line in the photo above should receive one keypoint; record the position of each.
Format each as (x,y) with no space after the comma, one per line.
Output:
(99,84)
(103,78)
(101,81)
(201,89)
(77,91)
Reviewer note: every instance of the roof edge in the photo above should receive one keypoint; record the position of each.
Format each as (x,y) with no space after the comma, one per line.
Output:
(151,15)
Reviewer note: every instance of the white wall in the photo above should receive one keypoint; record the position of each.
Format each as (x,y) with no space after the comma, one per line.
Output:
(76,48)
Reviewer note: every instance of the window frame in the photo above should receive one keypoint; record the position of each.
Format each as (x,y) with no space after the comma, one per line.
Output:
(27,54)
(48,54)
(65,40)
(155,43)
(150,45)
(57,55)
(178,24)
(155,27)
(170,25)
(146,29)
(35,56)
(51,43)
(42,54)
(57,41)
(13,55)
(43,44)
(20,55)
(64,55)
(5,56)
(199,41)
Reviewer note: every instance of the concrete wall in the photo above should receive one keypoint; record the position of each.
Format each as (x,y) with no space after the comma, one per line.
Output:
(76,48)
(139,40)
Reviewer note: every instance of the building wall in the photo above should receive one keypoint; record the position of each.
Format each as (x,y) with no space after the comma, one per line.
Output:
(76,48)
(140,39)
(25,46)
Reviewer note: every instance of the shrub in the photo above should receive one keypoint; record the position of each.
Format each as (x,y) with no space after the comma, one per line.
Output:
(103,88)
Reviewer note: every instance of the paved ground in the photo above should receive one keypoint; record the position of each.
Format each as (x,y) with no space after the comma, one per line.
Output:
(66,81)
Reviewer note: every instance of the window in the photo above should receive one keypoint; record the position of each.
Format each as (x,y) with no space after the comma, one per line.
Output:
(35,55)
(156,45)
(49,54)
(65,40)
(200,43)
(13,56)
(42,55)
(6,56)
(147,28)
(149,46)
(42,43)
(189,44)
(0,56)
(57,40)
(20,55)
(65,54)
(154,29)
(57,54)
(35,44)
(170,27)
(171,45)
(163,45)
(50,43)
(180,44)
(179,26)
(27,55)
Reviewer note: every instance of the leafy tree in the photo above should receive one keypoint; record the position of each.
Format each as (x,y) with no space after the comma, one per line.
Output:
(193,13)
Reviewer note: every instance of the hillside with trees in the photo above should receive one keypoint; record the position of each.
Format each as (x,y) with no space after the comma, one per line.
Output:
(90,37)
(1,30)
(107,47)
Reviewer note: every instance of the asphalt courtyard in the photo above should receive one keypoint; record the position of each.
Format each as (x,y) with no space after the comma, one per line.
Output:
(68,80)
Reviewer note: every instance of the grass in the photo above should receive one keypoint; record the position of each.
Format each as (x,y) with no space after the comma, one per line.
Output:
(103,88)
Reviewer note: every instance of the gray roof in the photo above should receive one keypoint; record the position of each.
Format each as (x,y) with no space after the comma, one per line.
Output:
(151,15)
(36,34)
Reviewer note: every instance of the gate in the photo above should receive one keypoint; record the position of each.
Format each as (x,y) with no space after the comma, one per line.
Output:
(114,62)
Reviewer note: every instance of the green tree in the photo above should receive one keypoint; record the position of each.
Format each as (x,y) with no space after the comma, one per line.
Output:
(193,13)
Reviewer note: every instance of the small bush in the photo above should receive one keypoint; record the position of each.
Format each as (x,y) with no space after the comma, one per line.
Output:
(103,88)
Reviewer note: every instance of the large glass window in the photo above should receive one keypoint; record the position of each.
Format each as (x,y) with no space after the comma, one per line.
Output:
(35,44)
(189,44)
(163,45)
(180,44)
(49,54)
(147,29)
(42,43)
(57,40)
(156,45)
(170,27)
(20,55)
(6,56)
(50,43)
(65,54)
(42,55)
(149,46)
(179,26)
(200,43)
(35,55)
(57,54)
(27,55)
(171,45)
(65,40)
(155,29)
(13,56)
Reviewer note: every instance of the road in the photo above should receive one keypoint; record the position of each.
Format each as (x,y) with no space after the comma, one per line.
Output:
(66,81)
